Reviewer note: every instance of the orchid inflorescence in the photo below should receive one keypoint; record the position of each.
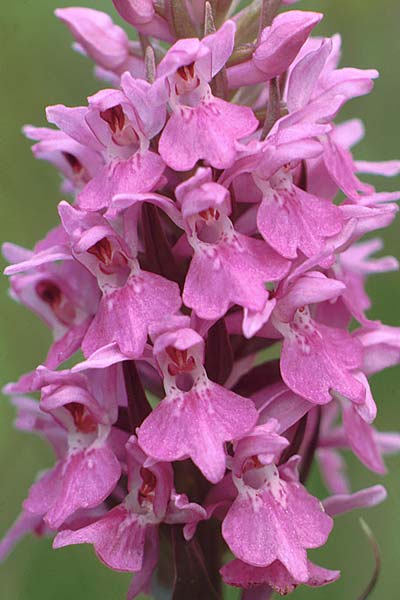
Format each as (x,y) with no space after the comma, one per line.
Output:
(209,274)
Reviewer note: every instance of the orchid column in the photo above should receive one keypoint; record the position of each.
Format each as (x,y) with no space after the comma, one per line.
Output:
(206,284)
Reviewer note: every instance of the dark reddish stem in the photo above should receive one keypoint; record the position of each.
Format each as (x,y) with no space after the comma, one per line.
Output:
(158,249)
(219,355)
(309,453)
(295,444)
(191,578)
(138,405)
(258,378)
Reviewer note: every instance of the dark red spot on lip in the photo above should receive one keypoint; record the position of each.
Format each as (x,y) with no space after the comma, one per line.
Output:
(49,292)
(73,162)
(102,250)
(186,72)
(252,462)
(209,213)
(80,174)
(182,363)
(149,482)
(84,422)
(115,117)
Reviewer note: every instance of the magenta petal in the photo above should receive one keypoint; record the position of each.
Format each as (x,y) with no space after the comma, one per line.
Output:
(207,132)
(234,272)
(303,221)
(140,173)
(312,287)
(313,366)
(320,576)
(38,259)
(388,168)
(106,43)
(206,287)
(135,12)
(44,492)
(118,539)
(279,45)
(361,438)
(141,581)
(196,424)
(304,76)
(87,480)
(341,168)
(282,41)
(83,480)
(342,503)
(26,523)
(65,347)
(72,121)
(381,348)
(333,470)
(142,16)
(125,314)
(246,576)
(280,403)
(276,523)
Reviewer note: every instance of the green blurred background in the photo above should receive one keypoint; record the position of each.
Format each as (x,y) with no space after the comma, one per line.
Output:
(39,68)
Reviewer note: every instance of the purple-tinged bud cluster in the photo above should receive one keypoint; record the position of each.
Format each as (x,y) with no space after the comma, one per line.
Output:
(209,275)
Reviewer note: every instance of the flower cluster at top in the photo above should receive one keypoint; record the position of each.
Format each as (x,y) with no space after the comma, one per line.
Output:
(208,267)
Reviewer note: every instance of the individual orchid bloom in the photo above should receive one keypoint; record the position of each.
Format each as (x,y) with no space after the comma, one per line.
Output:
(275,575)
(352,267)
(318,63)
(227,267)
(273,516)
(77,163)
(136,518)
(291,219)
(117,124)
(341,168)
(333,439)
(357,428)
(288,217)
(89,471)
(316,89)
(128,304)
(126,537)
(142,14)
(30,418)
(196,114)
(62,294)
(315,358)
(345,135)
(356,432)
(29,523)
(104,42)
(197,415)
(276,49)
